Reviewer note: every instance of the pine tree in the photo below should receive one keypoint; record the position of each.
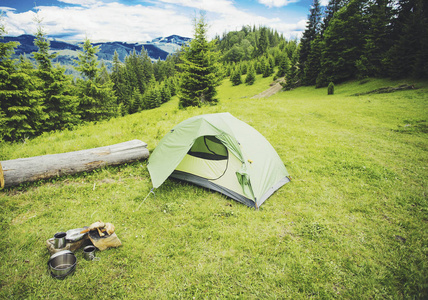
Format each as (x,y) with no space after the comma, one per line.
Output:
(103,75)
(60,103)
(152,98)
(292,78)
(121,85)
(332,7)
(171,84)
(267,68)
(21,105)
(343,45)
(97,101)
(235,77)
(165,93)
(244,68)
(199,77)
(6,70)
(271,64)
(313,29)
(263,42)
(377,37)
(313,63)
(259,67)
(251,75)
(284,65)
(20,100)
(87,63)
(135,102)
(408,55)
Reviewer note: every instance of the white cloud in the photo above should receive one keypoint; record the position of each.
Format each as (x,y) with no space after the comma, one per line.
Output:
(137,23)
(4,9)
(324,2)
(111,21)
(218,6)
(21,23)
(276,3)
(80,2)
(223,16)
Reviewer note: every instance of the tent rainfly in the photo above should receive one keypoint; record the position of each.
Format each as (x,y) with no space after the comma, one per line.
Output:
(221,153)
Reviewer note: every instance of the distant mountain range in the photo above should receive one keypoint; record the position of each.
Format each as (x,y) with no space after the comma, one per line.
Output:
(158,48)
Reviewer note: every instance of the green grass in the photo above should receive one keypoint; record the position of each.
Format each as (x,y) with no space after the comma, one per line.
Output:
(352,224)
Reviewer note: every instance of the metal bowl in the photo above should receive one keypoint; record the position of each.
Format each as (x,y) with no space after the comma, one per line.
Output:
(62,263)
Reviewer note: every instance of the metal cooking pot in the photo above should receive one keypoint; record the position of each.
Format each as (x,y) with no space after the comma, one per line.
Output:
(62,263)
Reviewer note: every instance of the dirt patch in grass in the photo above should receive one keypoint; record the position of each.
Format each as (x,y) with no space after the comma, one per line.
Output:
(275,88)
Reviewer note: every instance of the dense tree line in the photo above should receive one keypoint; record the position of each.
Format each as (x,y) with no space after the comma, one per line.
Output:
(257,50)
(36,96)
(364,38)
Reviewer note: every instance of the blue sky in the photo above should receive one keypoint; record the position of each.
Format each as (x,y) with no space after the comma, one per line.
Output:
(144,20)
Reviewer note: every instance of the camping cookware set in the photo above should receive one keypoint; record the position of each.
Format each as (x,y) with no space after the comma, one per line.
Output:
(63,263)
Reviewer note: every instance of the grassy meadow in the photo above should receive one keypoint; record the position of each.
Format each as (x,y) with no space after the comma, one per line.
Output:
(352,224)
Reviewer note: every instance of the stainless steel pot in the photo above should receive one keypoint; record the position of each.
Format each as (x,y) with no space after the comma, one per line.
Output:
(62,263)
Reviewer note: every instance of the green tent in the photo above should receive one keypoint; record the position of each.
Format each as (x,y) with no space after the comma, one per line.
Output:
(222,153)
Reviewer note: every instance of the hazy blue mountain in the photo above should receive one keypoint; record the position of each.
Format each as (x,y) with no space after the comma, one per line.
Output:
(158,48)
(172,39)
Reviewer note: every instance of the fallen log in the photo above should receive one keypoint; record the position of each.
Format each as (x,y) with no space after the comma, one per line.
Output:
(17,171)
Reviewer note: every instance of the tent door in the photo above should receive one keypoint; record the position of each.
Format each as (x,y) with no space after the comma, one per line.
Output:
(208,158)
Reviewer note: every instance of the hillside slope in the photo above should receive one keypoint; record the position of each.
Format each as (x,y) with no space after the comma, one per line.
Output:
(352,224)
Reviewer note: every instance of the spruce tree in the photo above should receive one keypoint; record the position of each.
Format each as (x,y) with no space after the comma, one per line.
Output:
(97,101)
(259,67)
(263,42)
(244,68)
(313,63)
(121,85)
(267,67)
(292,78)
(284,65)
(342,45)
(313,29)
(87,63)
(235,76)
(199,77)
(20,100)
(21,105)
(60,103)
(165,93)
(408,55)
(332,7)
(377,37)
(251,75)
(135,102)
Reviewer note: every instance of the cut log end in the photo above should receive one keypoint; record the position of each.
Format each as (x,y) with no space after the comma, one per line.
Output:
(1,177)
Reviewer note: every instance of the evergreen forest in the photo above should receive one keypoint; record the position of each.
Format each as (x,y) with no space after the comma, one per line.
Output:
(347,39)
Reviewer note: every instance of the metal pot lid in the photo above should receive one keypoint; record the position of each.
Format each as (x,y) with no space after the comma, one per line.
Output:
(63,252)
(73,235)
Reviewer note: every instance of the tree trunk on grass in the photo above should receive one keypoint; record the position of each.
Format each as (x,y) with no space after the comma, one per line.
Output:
(17,171)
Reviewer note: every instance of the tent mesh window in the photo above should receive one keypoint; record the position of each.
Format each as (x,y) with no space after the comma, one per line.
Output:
(208,147)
